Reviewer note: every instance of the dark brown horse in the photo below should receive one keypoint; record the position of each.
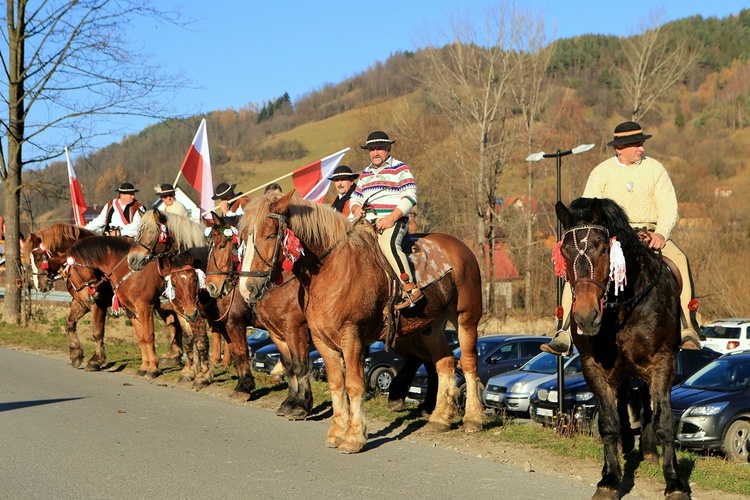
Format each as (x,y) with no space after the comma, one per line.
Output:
(281,315)
(43,252)
(345,292)
(625,322)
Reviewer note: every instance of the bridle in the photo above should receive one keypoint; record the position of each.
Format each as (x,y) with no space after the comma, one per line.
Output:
(581,251)
(232,274)
(268,274)
(162,237)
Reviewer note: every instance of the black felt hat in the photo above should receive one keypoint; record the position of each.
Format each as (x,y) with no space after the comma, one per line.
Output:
(343,173)
(222,190)
(165,190)
(127,188)
(628,133)
(377,139)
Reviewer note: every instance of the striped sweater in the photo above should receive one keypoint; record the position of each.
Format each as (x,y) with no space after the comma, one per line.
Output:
(385,189)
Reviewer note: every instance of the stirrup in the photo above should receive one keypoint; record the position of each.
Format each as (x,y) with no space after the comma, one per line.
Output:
(411,299)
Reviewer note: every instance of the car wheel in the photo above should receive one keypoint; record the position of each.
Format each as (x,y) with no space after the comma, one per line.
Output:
(735,441)
(381,379)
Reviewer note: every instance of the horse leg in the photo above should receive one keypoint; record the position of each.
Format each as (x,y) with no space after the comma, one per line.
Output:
(76,312)
(216,348)
(609,430)
(295,357)
(227,354)
(148,346)
(99,358)
(627,436)
(204,375)
(445,407)
(334,364)
(173,357)
(236,328)
(355,437)
(187,374)
(400,384)
(660,387)
(138,327)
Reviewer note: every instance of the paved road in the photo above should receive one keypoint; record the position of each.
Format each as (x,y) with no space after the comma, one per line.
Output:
(72,434)
(53,296)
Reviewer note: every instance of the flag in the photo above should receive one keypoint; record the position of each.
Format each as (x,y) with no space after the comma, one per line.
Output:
(311,181)
(196,168)
(76,196)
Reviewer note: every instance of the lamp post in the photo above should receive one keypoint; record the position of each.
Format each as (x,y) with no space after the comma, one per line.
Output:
(558,310)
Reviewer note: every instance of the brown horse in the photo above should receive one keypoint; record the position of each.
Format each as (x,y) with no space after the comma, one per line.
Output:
(43,252)
(345,315)
(281,315)
(630,329)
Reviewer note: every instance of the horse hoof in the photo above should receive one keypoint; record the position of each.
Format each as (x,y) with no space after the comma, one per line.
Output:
(470,427)
(677,495)
(93,367)
(436,427)
(349,447)
(140,373)
(605,494)
(200,384)
(297,414)
(333,442)
(185,378)
(152,375)
(170,362)
(395,404)
(75,363)
(652,458)
(240,396)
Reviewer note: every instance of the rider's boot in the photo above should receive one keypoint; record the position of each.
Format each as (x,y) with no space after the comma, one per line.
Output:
(411,295)
(560,344)
(690,340)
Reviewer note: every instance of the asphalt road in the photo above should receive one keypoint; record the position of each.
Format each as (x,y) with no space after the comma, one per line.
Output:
(72,434)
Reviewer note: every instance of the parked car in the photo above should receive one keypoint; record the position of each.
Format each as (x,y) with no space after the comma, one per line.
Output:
(725,335)
(381,365)
(257,338)
(579,399)
(713,407)
(496,354)
(266,358)
(511,390)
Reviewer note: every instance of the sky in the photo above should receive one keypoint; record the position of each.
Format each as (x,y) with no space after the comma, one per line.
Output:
(240,51)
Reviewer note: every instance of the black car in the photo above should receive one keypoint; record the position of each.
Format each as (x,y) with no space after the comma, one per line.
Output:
(257,338)
(496,354)
(712,407)
(266,357)
(579,400)
(381,366)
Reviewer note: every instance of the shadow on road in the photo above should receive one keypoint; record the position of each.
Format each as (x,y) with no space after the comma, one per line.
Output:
(18,405)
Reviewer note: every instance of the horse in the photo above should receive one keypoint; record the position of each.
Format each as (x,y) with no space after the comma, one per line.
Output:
(43,252)
(629,329)
(345,315)
(281,315)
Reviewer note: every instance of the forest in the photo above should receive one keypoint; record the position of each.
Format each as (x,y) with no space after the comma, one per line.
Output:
(546,96)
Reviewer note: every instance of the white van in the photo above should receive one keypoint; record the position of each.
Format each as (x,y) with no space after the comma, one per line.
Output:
(725,335)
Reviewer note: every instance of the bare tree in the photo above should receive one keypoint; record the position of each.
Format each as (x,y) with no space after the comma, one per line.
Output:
(655,63)
(470,80)
(68,67)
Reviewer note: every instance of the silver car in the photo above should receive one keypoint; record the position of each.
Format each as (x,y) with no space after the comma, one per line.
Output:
(512,390)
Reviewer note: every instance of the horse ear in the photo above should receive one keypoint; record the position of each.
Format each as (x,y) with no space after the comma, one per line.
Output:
(156,213)
(563,214)
(282,205)
(218,219)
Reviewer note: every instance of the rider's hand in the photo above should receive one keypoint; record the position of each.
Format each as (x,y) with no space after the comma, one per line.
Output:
(657,241)
(386,222)
(357,211)
(224,205)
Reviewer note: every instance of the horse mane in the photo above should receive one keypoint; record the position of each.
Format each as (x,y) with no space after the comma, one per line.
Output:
(255,210)
(98,248)
(185,233)
(57,237)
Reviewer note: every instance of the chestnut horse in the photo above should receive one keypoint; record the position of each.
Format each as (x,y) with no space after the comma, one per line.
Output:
(281,315)
(346,314)
(630,329)
(43,252)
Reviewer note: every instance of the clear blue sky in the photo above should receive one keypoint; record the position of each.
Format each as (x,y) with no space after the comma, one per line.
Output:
(241,51)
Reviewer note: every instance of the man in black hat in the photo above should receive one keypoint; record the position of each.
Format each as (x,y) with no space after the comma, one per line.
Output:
(385,194)
(167,194)
(119,217)
(641,186)
(343,180)
(229,206)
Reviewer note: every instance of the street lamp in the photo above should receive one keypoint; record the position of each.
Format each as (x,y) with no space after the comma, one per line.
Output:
(558,311)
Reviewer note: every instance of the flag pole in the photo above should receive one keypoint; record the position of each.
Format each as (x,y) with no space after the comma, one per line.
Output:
(179,174)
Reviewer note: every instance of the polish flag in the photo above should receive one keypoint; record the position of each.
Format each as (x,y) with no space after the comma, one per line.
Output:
(311,181)
(76,196)
(196,168)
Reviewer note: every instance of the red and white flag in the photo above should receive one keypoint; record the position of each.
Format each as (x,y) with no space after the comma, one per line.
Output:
(196,168)
(76,196)
(311,181)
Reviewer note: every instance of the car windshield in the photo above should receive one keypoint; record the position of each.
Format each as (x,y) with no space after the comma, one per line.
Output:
(259,335)
(728,374)
(543,363)
(722,332)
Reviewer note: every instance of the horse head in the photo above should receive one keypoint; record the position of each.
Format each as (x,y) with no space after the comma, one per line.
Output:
(186,285)
(224,257)
(160,234)
(265,236)
(585,248)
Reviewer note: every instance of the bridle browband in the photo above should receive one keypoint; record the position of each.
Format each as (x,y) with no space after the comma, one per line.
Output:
(274,258)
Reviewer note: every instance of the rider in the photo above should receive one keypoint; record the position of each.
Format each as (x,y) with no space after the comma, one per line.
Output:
(167,194)
(641,186)
(388,191)
(343,180)
(119,217)
(225,193)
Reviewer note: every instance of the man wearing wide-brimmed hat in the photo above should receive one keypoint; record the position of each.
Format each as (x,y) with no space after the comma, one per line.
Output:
(167,194)
(385,194)
(119,217)
(641,186)
(343,180)
(225,193)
